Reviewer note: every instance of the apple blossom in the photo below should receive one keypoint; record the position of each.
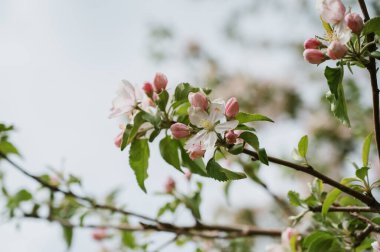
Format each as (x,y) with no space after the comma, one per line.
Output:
(169,185)
(336,50)
(231,137)
(331,11)
(196,151)
(99,234)
(148,89)
(311,43)
(211,125)
(232,107)
(188,174)
(180,130)
(198,100)
(376,246)
(355,22)
(160,82)
(127,100)
(314,56)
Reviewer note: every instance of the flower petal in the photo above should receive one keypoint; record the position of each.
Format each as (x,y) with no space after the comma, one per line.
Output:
(197,139)
(216,110)
(210,140)
(197,116)
(223,127)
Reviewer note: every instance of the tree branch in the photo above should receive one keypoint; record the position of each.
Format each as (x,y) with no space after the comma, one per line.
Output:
(371,67)
(311,171)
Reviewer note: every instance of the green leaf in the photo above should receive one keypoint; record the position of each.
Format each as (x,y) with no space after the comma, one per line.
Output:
(333,195)
(162,100)
(236,149)
(137,121)
(263,157)
(302,146)
(372,25)
(366,148)
(251,139)
(195,166)
(362,173)
(182,91)
(126,134)
(67,235)
(336,96)
(128,239)
(217,172)
(8,148)
(321,241)
(294,198)
(246,117)
(138,160)
(376,55)
(169,152)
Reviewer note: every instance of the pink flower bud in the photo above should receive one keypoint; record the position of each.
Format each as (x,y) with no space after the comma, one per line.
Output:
(232,107)
(336,50)
(198,100)
(119,138)
(169,185)
(148,89)
(160,82)
(331,11)
(54,181)
(231,137)
(99,234)
(188,175)
(354,22)
(196,151)
(314,56)
(180,130)
(287,235)
(311,43)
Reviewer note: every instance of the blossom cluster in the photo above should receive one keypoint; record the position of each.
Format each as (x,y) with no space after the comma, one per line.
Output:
(340,27)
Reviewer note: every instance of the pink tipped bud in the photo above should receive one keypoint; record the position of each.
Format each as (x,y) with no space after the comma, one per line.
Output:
(169,185)
(196,151)
(232,107)
(160,82)
(354,22)
(99,234)
(188,175)
(287,235)
(119,139)
(180,130)
(198,100)
(336,50)
(331,11)
(314,56)
(231,137)
(311,43)
(54,181)
(148,89)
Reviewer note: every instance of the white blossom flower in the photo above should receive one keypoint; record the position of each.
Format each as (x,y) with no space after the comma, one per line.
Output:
(210,123)
(127,100)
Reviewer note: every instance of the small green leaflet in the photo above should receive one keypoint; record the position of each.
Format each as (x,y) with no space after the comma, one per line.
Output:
(182,91)
(169,152)
(251,139)
(68,235)
(294,198)
(217,172)
(246,117)
(138,160)
(336,96)
(372,25)
(302,146)
(366,149)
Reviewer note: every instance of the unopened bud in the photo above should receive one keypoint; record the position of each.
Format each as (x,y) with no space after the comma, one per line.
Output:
(160,82)
(331,11)
(355,22)
(180,130)
(311,43)
(119,139)
(336,50)
(188,175)
(198,100)
(169,185)
(232,107)
(148,89)
(196,151)
(99,234)
(231,137)
(314,56)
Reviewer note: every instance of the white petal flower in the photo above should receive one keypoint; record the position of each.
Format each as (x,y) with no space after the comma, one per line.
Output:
(126,101)
(223,127)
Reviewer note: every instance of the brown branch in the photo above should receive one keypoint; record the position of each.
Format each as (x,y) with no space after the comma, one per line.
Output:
(311,171)
(202,230)
(346,209)
(371,67)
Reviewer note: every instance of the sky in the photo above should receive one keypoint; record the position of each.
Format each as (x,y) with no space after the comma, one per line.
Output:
(60,65)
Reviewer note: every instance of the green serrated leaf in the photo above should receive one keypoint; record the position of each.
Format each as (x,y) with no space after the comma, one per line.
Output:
(366,149)
(126,134)
(336,96)
(217,172)
(169,152)
(182,91)
(294,198)
(302,146)
(243,117)
(236,149)
(372,25)
(251,139)
(138,160)
(333,195)
(8,148)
